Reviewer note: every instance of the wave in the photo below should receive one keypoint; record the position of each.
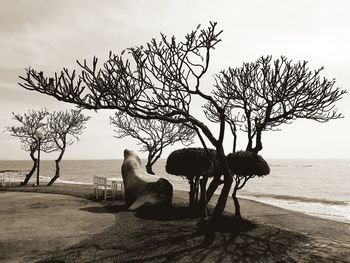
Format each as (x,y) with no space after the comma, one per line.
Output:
(297,165)
(72,182)
(301,199)
(14,171)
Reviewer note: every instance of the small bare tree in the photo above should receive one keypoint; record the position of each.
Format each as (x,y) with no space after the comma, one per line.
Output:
(57,127)
(265,94)
(30,122)
(152,135)
(64,127)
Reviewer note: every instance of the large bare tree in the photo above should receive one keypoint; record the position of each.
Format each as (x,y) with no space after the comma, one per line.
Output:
(152,135)
(159,81)
(263,95)
(64,127)
(29,123)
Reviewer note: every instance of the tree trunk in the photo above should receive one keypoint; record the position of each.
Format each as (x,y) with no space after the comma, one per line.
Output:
(31,172)
(203,198)
(196,192)
(236,203)
(149,168)
(192,192)
(57,173)
(221,204)
(152,159)
(213,186)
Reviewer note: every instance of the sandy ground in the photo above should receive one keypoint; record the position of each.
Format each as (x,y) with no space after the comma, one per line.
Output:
(69,226)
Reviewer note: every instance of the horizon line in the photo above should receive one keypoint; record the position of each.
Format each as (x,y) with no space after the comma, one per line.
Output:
(145,158)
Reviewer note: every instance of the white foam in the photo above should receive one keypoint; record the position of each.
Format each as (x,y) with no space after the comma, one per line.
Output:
(334,212)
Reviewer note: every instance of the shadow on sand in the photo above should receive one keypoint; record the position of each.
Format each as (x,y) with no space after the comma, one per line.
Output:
(166,213)
(225,240)
(105,209)
(176,236)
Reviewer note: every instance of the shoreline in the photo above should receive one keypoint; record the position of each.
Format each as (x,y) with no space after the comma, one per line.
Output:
(284,202)
(270,233)
(285,187)
(85,190)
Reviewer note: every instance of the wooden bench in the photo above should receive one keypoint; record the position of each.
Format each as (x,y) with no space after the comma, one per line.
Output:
(107,187)
(119,187)
(5,179)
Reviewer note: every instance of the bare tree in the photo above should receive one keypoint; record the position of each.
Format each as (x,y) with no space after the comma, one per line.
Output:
(269,93)
(265,94)
(152,135)
(64,127)
(30,122)
(159,82)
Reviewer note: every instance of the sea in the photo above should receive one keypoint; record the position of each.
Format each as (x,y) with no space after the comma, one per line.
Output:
(317,187)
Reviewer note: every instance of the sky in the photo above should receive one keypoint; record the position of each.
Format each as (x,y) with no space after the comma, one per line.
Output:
(49,35)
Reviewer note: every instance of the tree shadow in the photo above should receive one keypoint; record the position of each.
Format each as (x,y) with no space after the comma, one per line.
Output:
(105,209)
(226,240)
(226,224)
(166,213)
(132,239)
(223,224)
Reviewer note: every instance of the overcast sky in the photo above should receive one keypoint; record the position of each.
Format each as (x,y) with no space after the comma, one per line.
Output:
(48,35)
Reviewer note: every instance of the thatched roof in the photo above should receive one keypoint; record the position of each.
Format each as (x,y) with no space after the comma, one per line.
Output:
(189,161)
(247,163)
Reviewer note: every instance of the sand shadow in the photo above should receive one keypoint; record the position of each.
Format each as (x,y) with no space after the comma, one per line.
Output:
(226,224)
(230,240)
(166,213)
(105,209)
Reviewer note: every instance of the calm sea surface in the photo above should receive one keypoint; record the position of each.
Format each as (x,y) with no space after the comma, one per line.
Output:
(316,187)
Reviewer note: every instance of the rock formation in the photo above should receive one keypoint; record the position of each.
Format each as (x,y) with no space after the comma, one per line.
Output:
(143,190)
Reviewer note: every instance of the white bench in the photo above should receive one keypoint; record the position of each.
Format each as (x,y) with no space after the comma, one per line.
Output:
(5,179)
(107,187)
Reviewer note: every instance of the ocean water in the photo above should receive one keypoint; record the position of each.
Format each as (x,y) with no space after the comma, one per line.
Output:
(315,187)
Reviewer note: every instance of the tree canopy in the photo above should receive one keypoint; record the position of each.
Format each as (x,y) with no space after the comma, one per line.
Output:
(59,127)
(152,135)
(27,125)
(262,95)
(64,127)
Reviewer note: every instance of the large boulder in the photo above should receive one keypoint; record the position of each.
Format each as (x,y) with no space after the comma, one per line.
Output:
(143,190)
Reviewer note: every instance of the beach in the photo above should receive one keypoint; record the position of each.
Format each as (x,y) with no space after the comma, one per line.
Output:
(294,184)
(63,223)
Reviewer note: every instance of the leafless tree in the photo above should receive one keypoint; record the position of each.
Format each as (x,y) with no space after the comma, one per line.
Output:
(158,82)
(64,127)
(152,135)
(265,94)
(29,123)
(58,127)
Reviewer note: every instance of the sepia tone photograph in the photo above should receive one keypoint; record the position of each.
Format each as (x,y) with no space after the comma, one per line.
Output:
(174,131)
